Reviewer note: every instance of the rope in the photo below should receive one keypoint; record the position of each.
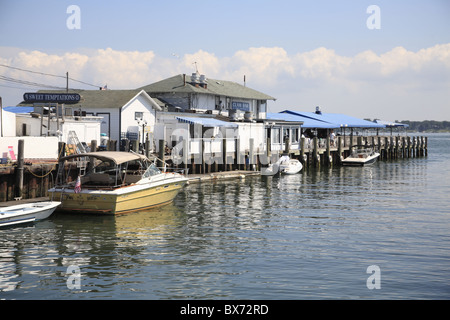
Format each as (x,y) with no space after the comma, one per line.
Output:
(53,167)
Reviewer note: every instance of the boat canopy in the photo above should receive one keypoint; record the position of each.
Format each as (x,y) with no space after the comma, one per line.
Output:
(340,120)
(117,157)
(308,123)
(207,122)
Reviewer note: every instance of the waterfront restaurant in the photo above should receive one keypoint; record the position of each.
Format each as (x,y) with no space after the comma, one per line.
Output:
(213,117)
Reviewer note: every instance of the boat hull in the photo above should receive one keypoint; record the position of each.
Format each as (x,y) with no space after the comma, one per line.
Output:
(118,201)
(26,213)
(359,162)
(293,167)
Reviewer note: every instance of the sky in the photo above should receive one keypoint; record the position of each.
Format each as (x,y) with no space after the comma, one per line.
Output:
(390,62)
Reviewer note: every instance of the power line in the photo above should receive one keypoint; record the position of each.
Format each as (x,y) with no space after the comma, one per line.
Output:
(28,83)
(48,74)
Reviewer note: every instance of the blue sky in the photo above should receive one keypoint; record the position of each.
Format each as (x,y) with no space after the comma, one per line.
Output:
(221,36)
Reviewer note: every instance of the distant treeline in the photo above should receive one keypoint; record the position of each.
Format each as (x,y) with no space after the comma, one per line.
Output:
(427,126)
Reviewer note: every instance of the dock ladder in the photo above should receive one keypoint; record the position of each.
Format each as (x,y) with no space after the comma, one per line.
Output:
(73,139)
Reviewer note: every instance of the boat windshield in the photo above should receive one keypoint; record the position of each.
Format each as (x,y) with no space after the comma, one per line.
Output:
(152,170)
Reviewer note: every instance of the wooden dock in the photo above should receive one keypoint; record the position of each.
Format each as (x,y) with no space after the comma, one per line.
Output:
(311,152)
(316,152)
(38,178)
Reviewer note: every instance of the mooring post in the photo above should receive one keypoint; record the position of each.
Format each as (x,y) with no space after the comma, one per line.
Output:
(93,145)
(316,155)
(302,150)
(19,172)
(328,159)
(224,154)
(251,154)
(161,153)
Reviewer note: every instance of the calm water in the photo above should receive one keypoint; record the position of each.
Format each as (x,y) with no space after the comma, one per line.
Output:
(308,236)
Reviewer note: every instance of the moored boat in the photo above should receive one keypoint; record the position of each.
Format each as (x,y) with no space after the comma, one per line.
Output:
(113,182)
(291,166)
(27,212)
(361,156)
(284,165)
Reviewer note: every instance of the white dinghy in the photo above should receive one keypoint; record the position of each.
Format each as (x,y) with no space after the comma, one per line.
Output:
(28,212)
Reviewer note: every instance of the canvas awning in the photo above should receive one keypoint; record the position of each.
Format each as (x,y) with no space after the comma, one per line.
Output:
(308,123)
(391,124)
(117,157)
(207,122)
(341,120)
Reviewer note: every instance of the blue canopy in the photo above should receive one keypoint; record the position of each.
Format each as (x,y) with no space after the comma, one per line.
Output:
(207,122)
(19,109)
(390,124)
(341,120)
(308,123)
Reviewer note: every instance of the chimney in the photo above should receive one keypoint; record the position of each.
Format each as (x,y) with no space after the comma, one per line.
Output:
(318,111)
(203,81)
(184,79)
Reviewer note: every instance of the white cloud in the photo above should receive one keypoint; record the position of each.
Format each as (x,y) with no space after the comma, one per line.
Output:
(359,85)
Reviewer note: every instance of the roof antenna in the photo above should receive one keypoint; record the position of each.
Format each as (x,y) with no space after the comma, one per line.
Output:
(196,68)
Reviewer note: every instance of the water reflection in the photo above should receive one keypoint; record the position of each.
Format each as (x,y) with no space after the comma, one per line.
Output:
(284,237)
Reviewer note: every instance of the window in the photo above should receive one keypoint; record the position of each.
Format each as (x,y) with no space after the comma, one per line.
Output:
(276,138)
(152,170)
(138,115)
(294,136)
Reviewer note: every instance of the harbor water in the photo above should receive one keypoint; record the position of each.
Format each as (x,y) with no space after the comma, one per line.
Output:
(378,232)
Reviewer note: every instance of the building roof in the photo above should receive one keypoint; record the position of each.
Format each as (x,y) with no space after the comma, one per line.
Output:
(184,84)
(101,98)
(207,122)
(308,123)
(391,124)
(341,120)
(18,109)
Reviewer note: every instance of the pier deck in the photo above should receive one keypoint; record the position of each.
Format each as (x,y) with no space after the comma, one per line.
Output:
(38,178)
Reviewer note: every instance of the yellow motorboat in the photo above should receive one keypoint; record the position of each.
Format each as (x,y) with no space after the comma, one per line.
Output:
(113,182)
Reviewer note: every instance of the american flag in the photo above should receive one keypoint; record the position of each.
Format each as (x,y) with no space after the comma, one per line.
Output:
(77,188)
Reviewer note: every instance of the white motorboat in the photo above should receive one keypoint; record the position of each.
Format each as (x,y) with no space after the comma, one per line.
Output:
(28,212)
(291,166)
(113,182)
(284,165)
(361,156)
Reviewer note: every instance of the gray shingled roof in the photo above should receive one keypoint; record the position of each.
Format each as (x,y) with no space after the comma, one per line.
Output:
(99,98)
(214,87)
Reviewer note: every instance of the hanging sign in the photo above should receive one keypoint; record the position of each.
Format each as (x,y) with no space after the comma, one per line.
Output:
(244,106)
(68,98)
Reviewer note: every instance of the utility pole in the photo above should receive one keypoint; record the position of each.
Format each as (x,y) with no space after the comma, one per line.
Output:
(1,118)
(67,81)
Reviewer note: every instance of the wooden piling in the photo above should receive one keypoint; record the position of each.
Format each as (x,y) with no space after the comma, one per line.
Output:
(328,158)
(19,169)
(316,156)
(161,152)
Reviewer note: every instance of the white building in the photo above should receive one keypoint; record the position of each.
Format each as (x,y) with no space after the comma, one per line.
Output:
(124,114)
(196,93)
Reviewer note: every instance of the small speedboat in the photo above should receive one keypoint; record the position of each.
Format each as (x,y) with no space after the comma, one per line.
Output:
(114,182)
(28,212)
(284,165)
(361,156)
(291,166)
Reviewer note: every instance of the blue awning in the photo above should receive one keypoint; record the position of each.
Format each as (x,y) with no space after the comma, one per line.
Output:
(390,124)
(19,109)
(207,122)
(308,123)
(341,120)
